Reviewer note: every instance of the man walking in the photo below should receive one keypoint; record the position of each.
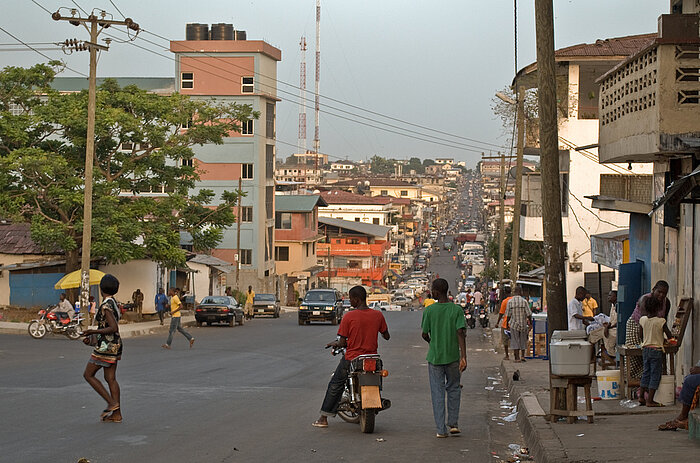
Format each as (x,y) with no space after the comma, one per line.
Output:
(161,304)
(249,298)
(445,331)
(175,321)
(358,334)
(518,322)
(137,299)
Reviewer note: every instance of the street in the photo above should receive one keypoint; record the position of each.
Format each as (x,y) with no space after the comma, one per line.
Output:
(245,393)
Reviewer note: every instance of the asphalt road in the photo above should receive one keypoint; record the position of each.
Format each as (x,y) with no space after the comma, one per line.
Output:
(244,393)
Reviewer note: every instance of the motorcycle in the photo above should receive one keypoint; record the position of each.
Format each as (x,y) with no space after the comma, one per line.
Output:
(483,317)
(361,400)
(468,315)
(49,322)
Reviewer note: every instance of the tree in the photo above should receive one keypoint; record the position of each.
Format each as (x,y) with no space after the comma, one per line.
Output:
(415,164)
(143,144)
(428,162)
(382,166)
(530,255)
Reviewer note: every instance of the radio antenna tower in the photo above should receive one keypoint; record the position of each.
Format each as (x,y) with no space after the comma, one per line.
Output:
(317,141)
(301,144)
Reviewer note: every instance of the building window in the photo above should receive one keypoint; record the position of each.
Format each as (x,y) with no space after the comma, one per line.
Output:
(187,162)
(270,201)
(247,85)
(282,253)
(404,192)
(307,220)
(187,80)
(283,220)
(247,127)
(246,257)
(353,241)
(357,219)
(270,161)
(247,214)
(375,221)
(270,120)
(307,249)
(127,146)
(246,171)
(313,248)
(384,193)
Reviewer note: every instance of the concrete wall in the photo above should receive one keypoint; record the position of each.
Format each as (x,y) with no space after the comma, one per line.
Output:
(142,274)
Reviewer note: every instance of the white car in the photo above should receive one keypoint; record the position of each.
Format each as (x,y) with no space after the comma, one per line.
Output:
(384,306)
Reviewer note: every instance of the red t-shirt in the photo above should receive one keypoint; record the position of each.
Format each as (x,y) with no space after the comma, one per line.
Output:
(361,327)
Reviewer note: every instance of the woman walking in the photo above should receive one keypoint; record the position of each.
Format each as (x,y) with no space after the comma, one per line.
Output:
(108,350)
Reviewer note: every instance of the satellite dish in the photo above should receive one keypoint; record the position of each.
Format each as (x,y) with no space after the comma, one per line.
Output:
(366,182)
(316,192)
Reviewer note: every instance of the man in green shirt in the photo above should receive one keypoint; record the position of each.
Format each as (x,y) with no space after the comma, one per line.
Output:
(445,331)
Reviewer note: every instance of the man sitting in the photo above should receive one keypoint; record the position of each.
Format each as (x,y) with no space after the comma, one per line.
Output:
(690,394)
(64,309)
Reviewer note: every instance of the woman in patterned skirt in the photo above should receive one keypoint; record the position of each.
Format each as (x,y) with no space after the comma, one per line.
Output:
(108,349)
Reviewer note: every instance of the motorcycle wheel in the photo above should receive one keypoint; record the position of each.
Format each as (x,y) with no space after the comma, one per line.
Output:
(347,415)
(73,334)
(367,417)
(37,330)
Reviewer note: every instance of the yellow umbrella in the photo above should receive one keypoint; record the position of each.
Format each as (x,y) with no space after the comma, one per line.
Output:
(72,280)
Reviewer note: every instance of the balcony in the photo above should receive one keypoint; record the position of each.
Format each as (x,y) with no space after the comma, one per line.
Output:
(649,104)
(624,193)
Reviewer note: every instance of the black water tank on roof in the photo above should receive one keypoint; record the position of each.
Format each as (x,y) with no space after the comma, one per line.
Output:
(195,31)
(222,31)
(240,35)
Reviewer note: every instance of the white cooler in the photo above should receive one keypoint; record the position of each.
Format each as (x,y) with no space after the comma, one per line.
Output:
(570,353)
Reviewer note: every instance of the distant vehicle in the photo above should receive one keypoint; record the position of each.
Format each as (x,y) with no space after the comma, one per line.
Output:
(447,246)
(266,304)
(219,309)
(384,306)
(401,300)
(321,305)
(346,305)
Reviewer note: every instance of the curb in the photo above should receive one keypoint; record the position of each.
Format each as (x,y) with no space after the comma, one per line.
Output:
(21,329)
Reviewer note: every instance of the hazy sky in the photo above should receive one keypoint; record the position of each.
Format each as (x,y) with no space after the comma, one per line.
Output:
(436,63)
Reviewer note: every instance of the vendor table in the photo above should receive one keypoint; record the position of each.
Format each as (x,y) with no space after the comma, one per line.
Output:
(627,381)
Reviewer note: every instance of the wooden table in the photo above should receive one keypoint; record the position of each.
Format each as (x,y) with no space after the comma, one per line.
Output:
(627,381)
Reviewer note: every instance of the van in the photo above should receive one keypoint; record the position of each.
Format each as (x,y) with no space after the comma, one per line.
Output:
(427,245)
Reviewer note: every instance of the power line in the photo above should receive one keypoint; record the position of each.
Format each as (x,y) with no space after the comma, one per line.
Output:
(39,52)
(443,142)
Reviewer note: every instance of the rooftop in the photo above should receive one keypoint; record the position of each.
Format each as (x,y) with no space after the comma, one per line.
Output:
(298,203)
(378,181)
(151,84)
(345,197)
(378,231)
(15,238)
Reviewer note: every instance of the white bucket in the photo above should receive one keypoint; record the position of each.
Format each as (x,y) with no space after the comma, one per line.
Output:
(665,394)
(608,383)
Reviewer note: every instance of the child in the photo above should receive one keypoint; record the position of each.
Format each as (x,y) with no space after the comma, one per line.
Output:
(652,329)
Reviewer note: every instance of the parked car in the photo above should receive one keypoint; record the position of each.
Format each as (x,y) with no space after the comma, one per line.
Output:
(266,304)
(384,306)
(321,305)
(346,305)
(219,309)
(401,300)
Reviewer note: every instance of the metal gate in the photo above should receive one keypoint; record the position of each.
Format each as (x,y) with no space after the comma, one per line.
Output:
(34,289)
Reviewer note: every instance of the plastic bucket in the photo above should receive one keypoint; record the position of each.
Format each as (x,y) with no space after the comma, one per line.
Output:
(608,383)
(665,394)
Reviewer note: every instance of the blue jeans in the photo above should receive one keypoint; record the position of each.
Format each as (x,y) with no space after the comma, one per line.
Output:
(175,325)
(335,389)
(653,365)
(445,378)
(690,384)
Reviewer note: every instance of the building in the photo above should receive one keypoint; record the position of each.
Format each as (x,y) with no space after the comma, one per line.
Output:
(354,253)
(301,173)
(383,186)
(296,235)
(309,158)
(343,167)
(242,72)
(443,161)
(357,208)
(577,68)
(650,112)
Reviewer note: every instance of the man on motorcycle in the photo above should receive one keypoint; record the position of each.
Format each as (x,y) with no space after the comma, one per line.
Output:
(64,308)
(358,335)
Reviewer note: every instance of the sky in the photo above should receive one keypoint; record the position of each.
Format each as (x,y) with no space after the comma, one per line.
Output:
(432,63)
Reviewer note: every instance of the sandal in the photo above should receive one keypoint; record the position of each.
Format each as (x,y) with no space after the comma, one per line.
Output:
(673,425)
(318,424)
(112,419)
(107,411)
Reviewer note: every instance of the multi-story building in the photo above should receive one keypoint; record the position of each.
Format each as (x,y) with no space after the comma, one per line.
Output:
(296,235)
(242,72)
(354,253)
(578,68)
(343,167)
(649,108)
(357,208)
(383,186)
(302,173)
(310,158)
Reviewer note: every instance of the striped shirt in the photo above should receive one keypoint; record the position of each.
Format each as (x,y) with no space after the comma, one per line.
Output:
(518,313)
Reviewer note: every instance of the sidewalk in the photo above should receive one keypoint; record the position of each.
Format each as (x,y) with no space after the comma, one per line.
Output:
(126,330)
(618,433)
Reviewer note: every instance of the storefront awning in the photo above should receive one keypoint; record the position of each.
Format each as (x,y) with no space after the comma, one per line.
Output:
(678,190)
(607,248)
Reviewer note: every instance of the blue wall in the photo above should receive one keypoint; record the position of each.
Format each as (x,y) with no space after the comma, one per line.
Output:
(31,290)
(640,246)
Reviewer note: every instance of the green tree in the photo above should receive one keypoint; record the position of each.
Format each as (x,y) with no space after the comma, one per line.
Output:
(381,165)
(428,162)
(530,255)
(415,164)
(143,144)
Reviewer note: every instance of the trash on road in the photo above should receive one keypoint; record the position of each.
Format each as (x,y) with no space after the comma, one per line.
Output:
(380,439)
(580,435)
(629,403)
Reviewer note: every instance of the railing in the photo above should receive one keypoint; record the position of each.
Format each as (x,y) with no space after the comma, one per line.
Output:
(634,188)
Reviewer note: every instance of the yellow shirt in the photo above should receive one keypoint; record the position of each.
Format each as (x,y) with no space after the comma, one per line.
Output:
(174,306)
(428,301)
(249,297)
(589,306)
(653,329)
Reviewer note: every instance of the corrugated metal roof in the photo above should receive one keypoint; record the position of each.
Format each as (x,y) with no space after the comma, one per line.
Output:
(298,203)
(345,197)
(151,84)
(16,238)
(379,231)
(211,261)
(617,46)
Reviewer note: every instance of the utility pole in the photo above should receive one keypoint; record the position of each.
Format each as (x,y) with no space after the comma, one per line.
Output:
(317,85)
(554,253)
(94,26)
(520,129)
(502,223)
(238,231)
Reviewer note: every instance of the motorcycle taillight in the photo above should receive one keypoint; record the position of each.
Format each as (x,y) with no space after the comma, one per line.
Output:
(369,364)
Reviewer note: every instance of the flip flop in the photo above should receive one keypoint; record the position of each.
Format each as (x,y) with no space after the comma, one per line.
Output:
(107,411)
(317,424)
(112,419)
(655,404)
